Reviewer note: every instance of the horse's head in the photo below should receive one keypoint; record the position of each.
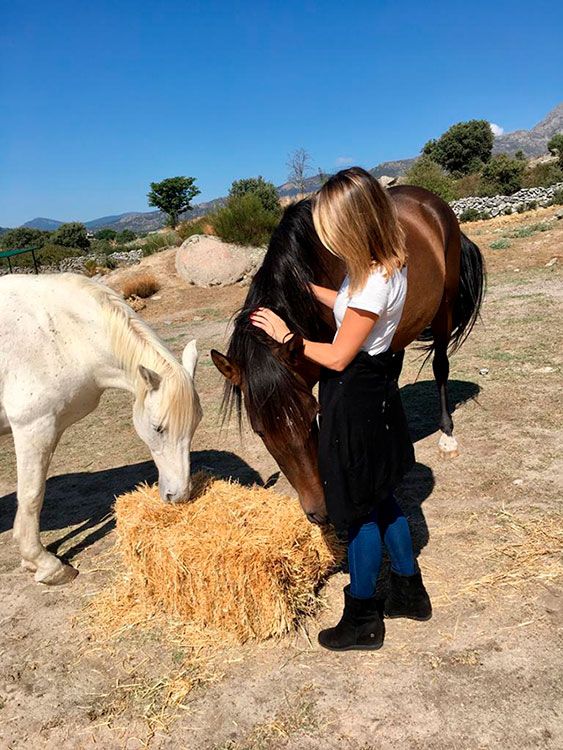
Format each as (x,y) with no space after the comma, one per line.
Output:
(166,414)
(275,385)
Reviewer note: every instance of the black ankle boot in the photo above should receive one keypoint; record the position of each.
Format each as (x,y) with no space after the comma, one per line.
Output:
(360,628)
(408,598)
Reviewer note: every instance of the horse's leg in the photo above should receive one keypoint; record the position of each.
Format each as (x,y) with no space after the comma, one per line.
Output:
(35,445)
(441,330)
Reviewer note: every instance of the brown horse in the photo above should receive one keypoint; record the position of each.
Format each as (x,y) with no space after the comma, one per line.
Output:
(445,290)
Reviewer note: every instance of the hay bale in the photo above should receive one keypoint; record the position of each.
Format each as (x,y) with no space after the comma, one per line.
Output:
(237,559)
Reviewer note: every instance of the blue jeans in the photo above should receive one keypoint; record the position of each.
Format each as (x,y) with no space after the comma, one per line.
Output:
(386,525)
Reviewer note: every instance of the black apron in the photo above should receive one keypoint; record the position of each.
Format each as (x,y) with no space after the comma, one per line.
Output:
(364,443)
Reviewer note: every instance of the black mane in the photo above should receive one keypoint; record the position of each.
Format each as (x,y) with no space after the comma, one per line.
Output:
(293,260)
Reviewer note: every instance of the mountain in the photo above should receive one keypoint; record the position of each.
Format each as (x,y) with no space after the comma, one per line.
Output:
(532,142)
(48,225)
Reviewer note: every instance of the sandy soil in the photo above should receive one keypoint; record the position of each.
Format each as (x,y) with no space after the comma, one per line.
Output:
(485,672)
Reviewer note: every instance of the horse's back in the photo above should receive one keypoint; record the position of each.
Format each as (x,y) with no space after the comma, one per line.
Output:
(432,234)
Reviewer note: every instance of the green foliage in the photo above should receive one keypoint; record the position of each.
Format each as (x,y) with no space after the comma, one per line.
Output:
(520,155)
(463,148)
(106,234)
(529,230)
(71,234)
(555,147)
(187,228)
(51,254)
(472,214)
(426,173)
(265,191)
(127,235)
(500,244)
(245,221)
(158,241)
(173,196)
(469,185)
(557,199)
(543,174)
(23,237)
(503,175)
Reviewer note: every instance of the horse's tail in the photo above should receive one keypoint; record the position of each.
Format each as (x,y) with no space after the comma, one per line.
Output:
(472,279)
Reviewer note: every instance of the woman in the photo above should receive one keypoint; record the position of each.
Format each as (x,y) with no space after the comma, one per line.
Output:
(364,444)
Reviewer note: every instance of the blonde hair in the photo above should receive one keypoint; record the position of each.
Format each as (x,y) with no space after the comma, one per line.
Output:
(357,221)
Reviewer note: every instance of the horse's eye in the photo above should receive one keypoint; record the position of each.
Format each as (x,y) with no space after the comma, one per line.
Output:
(259,433)
(159,428)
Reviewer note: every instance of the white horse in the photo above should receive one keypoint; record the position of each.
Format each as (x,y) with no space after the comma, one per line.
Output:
(63,340)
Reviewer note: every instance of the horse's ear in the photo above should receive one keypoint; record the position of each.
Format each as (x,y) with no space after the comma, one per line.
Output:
(226,367)
(151,378)
(292,349)
(189,357)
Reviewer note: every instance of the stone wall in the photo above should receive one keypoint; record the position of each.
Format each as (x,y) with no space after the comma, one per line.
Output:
(497,205)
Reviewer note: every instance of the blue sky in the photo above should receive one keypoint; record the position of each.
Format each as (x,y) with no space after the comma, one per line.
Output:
(99,98)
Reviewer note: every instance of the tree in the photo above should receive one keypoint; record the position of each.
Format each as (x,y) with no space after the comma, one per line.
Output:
(173,196)
(264,190)
(503,175)
(299,165)
(555,147)
(323,177)
(127,235)
(71,234)
(24,237)
(426,173)
(463,148)
(520,155)
(106,234)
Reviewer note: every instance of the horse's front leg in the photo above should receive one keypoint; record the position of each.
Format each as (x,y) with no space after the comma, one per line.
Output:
(441,330)
(34,446)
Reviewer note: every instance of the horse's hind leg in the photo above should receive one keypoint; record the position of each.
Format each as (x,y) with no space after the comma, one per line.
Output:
(441,330)
(34,448)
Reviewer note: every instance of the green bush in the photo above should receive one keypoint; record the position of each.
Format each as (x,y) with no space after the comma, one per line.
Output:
(427,174)
(72,234)
(21,237)
(106,234)
(468,185)
(187,228)
(245,221)
(127,235)
(52,254)
(472,214)
(543,174)
(266,192)
(503,175)
(500,244)
(557,199)
(153,243)
(555,147)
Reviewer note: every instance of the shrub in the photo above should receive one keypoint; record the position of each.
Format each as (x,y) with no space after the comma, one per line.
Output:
(106,234)
(187,228)
(503,175)
(427,174)
(463,148)
(153,243)
(127,235)
(557,199)
(543,174)
(24,237)
(52,254)
(468,185)
(245,221)
(471,214)
(500,244)
(141,285)
(555,147)
(71,234)
(265,191)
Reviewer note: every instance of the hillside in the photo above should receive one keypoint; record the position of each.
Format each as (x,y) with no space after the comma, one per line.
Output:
(532,142)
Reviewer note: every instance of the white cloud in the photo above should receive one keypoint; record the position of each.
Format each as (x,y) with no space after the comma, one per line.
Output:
(497,130)
(343,160)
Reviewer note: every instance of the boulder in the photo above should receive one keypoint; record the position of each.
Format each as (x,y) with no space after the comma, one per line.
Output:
(206,261)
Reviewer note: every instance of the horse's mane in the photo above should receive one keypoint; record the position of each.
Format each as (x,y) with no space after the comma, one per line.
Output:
(293,260)
(134,343)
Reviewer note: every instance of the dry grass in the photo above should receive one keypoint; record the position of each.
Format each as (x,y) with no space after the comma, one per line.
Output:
(141,285)
(242,561)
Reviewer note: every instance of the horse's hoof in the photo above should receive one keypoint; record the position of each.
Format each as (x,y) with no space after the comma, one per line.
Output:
(448,446)
(58,577)
(28,566)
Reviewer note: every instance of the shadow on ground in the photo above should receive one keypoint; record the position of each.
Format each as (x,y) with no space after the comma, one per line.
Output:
(86,498)
(422,407)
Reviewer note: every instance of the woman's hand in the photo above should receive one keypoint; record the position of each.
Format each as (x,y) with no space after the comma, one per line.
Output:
(271,323)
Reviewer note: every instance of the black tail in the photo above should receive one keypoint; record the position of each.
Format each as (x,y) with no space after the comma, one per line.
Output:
(472,278)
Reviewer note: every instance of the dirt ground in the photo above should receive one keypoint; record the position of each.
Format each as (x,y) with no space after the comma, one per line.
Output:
(485,672)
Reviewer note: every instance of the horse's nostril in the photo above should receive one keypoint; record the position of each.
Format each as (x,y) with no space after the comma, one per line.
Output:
(168,497)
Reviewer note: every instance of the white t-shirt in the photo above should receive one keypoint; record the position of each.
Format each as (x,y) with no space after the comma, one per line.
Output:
(384,297)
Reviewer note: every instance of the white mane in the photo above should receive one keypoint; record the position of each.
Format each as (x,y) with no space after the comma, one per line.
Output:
(134,343)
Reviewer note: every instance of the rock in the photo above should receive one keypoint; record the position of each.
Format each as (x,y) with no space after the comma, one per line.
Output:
(386,181)
(208,261)
(484,371)
(552,262)
(559,214)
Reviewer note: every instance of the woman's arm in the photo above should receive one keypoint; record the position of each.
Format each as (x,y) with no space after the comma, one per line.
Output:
(356,327)
(325,296)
